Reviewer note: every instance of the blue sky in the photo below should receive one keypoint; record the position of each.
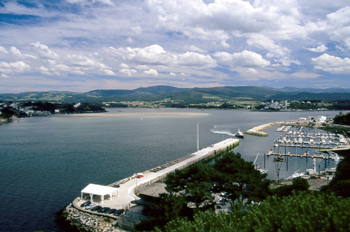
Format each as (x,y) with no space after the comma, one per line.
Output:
(82,45)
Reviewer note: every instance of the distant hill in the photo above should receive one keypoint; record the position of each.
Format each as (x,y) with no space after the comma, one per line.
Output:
(313,90)
(193,95)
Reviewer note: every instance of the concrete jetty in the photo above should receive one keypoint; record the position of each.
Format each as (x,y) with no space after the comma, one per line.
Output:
(123,196)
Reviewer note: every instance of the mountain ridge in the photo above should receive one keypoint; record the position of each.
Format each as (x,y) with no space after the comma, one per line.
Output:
(160,92)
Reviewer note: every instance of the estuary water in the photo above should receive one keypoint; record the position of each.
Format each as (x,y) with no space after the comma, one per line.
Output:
(46,161)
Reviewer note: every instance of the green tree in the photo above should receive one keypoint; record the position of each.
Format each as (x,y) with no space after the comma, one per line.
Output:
(7,113)
(301,211)
(340,184)
(239,179)
(169,207)
(298,184)
(193,183)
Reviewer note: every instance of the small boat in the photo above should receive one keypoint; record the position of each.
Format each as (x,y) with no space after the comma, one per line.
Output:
(239,134)
(278,159)
(261,170)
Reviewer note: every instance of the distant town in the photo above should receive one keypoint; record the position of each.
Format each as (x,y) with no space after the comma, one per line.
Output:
(8,110)
(19,109)
(250,105)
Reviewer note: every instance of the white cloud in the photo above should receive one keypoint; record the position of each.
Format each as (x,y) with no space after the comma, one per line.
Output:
(142,67)
(332,64)
(151,72)
(305,75)
(123,65)
(195,18)
(13,67)
(242,59)
(44,51)
(278,53)
(3,50)
(88,2)
(109,72)
(249,39)
(16,52)
(320,48)
(12,7)
(128,72)
(195,59)
(194,48)
(339,25)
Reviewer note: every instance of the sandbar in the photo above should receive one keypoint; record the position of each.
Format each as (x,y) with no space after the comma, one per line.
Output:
(135,114)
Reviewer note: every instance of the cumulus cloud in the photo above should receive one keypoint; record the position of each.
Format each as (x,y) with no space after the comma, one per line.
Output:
(109,72)
(276,18)
(128,72)
(44,51)
(332,64)
(13,67)
(320,48)
(123,65)
(242,59)
(3,50)
(248,39)
(339,25)
(156,55)
(151,72)
(195,59)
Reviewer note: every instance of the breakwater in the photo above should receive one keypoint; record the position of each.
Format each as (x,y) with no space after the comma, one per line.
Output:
(125,195)
(258,129)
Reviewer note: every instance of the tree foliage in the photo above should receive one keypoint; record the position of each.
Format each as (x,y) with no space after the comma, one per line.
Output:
(303,211)
(299,184)
(342,119)
(193,189)
(340,184)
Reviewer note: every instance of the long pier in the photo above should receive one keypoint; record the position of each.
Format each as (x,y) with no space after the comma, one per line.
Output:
(123,196)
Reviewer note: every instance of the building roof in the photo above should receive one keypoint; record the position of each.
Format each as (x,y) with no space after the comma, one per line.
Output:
(153,190)
(100,190)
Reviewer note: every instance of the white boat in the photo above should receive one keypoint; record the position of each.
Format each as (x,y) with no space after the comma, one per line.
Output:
(261,170)
(239,134)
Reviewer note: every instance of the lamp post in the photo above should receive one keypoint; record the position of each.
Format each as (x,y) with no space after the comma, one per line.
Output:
(197,136)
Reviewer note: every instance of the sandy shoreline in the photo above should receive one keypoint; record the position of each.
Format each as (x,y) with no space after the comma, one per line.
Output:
(134,114)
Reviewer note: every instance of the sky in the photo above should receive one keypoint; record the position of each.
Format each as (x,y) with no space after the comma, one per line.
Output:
(83,45)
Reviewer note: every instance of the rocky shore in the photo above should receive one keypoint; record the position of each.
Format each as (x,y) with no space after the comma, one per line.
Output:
(82,221)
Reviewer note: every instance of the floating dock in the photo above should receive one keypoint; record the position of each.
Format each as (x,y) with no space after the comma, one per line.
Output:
(301,155)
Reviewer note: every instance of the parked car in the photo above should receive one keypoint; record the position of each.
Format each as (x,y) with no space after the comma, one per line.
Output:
(116,186)
(97,207)
(92,204)
(118,212)
(110,211)
(85,204)
(104,209)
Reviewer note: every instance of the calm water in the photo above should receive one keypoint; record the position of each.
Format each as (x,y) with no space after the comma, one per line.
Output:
(46,161)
